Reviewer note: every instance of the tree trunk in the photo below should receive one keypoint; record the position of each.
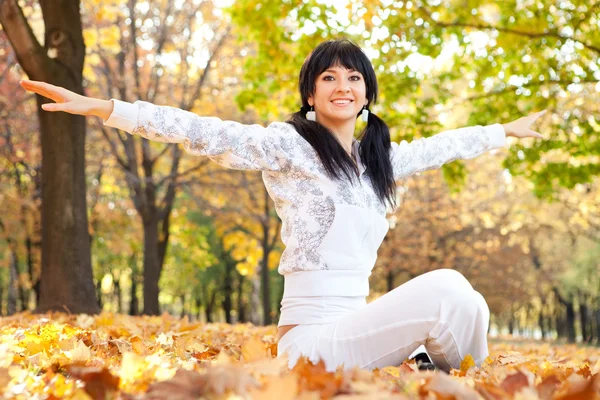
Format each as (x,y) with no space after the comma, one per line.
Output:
(133,304)
(265,279)
(182,300)
(208,307)
(597,313)
(117,284)
(241,305)
(35,284)
(66,277)
(13,283)
(541,324)
(99,293)
(198,307)
(255,301)
(570,321)
(151,268)
(389,279)
(228,290)
(584,319)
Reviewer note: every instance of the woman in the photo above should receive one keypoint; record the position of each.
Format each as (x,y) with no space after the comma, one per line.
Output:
(331,192)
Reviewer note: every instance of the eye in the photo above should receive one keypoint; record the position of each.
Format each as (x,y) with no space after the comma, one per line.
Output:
(355,78)
(326,77)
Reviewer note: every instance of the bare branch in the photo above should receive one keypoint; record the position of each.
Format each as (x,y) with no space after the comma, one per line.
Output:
(176,175)
(200,84)
(113,148)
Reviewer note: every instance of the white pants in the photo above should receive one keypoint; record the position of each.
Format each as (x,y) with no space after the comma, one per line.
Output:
(439,309)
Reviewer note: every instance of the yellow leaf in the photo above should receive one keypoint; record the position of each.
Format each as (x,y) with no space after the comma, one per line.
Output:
(253,349)
(467,363)
(81,352)
(132,367)
(393,371)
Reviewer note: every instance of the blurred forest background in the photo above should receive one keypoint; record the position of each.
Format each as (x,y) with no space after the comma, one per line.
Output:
(144,228)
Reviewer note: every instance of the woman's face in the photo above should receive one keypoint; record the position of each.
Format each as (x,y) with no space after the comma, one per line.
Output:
(339,95)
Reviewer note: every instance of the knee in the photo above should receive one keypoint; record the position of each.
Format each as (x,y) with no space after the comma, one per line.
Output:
(471,303)
(452,280)
(482,305)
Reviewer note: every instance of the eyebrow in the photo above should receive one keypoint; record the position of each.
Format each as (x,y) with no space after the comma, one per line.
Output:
(333,70)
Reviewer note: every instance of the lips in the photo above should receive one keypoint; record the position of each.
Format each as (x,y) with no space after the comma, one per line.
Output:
(342,102)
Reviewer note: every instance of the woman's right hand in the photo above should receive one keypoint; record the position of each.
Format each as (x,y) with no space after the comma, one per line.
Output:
(67,101)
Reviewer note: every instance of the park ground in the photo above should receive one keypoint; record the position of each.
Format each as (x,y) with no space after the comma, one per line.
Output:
(112,356)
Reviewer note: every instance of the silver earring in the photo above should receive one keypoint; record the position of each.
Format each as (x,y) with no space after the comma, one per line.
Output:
(311,115)
(365,114)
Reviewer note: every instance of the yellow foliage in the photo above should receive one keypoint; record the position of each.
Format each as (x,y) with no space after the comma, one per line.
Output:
(218,360)
(109,38)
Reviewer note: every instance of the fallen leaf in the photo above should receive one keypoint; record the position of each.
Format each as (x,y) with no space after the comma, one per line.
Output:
(447,386)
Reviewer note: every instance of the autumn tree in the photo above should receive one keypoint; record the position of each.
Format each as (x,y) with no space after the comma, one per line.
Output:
(152,170)
(66,274)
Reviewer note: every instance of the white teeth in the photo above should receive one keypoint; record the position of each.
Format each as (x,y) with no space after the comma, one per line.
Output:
(342,101)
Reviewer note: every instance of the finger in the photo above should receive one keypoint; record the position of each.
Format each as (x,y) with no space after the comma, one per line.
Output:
(535,134)
(539,114)
(53,107)
(42,88)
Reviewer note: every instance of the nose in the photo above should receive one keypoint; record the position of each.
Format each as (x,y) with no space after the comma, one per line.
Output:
(343,86)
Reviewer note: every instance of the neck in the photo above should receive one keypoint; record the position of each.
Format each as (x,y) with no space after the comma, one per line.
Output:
(343,130)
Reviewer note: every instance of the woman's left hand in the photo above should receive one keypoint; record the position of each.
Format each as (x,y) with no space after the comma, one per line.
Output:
(520,127)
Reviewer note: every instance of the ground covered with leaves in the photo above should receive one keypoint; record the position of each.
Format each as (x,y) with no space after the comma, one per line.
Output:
(121,357)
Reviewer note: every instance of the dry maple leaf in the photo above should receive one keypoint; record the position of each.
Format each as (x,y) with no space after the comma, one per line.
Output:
(316,377)
(99,382)
(512,357)
(278,388)
(448,387)
(253,349)
(514,383)
(191,385)
(548,386)
(578,388)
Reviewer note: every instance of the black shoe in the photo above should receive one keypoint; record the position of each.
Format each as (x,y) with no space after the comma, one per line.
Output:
(424,363)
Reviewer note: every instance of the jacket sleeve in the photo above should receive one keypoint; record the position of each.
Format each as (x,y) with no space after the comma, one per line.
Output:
(228,143)
(435,151)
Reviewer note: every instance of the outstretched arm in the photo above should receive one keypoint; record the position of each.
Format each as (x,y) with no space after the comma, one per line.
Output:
(464,143)
(229,143)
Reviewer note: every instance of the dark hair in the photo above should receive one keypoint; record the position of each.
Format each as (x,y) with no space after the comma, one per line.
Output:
(375,141)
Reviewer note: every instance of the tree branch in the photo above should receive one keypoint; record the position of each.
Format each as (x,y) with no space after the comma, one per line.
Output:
(29,51)
(531,35)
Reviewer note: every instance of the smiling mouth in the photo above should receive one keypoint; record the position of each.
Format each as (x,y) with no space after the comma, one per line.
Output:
(342,102)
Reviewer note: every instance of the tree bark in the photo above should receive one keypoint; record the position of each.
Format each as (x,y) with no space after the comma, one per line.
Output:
(255,301)
(66,277)
(570,321)
(389,279)
(597,313)
(117,291)
(182,300)
(13,283)
(99,293)
(228,289)
(584,319)
(151,268)
(133,302)
(265,278)
(241,305)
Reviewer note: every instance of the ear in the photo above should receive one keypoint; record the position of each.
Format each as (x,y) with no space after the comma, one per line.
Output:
(310,101)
